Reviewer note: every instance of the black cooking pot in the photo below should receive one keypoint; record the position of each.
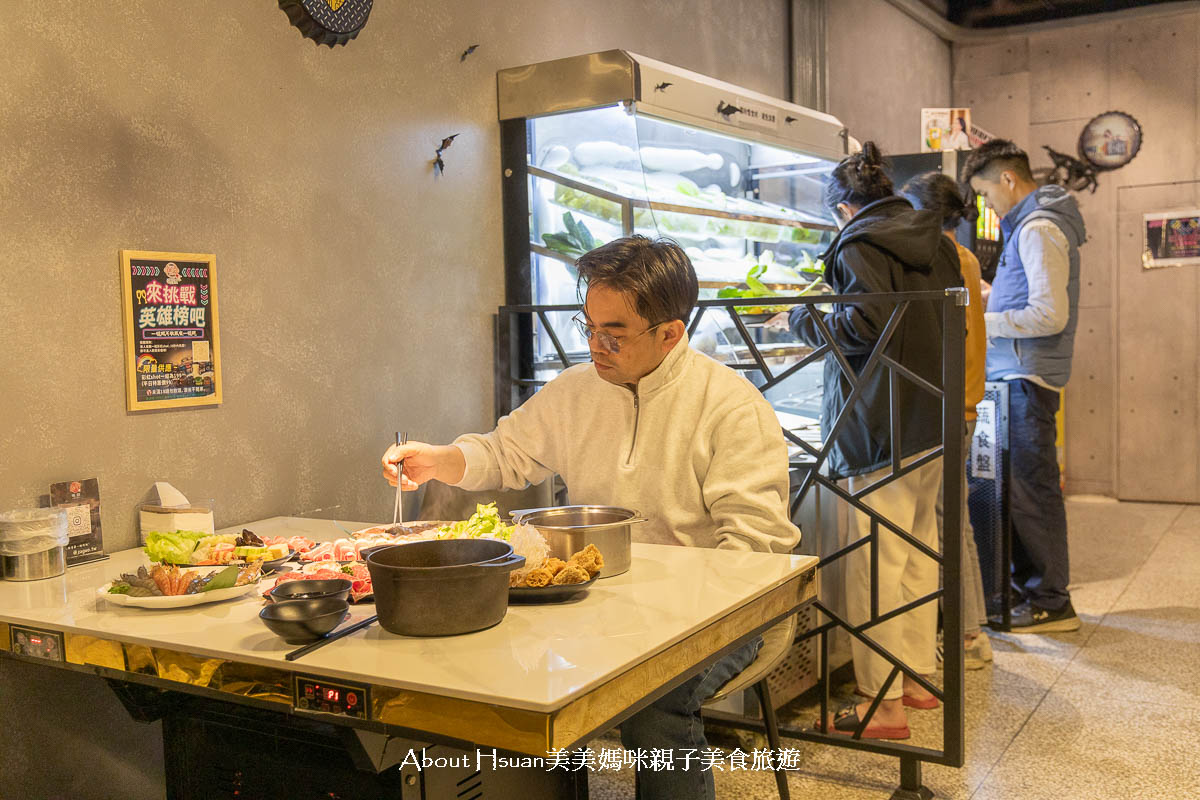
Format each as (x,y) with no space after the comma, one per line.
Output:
(441,587)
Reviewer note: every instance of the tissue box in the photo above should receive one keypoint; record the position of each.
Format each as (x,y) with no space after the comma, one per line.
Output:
(167,519)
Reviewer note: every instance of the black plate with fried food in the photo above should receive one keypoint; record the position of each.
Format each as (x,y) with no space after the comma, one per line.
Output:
(552,593)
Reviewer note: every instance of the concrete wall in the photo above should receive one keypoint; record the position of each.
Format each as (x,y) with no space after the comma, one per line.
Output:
(883,68)
(356,288)
(1132,415)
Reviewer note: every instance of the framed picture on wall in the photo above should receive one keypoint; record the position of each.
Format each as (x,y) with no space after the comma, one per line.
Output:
(1172,239)
(946,129)
(172,344)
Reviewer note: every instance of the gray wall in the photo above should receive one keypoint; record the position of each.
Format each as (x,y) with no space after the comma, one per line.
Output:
(356,289)
(884,67)
(1132,416)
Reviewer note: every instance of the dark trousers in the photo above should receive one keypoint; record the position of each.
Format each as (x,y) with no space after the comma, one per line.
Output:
(672,723)
(1039,520)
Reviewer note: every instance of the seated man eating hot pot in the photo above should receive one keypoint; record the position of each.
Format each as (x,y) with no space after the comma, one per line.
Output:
(649,424)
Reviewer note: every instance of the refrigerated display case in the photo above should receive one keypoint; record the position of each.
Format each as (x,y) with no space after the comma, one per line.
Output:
(604,145)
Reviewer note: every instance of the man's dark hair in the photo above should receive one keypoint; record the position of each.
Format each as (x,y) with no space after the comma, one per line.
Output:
(857,180)
(991,158)
(655,273)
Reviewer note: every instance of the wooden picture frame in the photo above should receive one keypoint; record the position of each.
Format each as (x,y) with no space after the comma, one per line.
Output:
(172,340)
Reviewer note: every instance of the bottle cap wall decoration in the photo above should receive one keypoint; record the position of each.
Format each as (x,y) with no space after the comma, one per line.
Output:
(1110,140)
(328,22)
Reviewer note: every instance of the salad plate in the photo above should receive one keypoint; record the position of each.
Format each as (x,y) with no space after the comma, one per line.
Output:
(198,549)
(178,600)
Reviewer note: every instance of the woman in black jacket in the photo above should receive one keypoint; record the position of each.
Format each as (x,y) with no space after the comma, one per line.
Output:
(884,246)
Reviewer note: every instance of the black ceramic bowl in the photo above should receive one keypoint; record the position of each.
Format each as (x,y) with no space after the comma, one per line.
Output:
(276,563)
(303,621)
(311,590)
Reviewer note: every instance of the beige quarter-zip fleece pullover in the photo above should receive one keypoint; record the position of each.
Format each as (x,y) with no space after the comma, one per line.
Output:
(696,449)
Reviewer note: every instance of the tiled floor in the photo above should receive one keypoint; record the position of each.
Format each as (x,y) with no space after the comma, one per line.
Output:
(1109,711)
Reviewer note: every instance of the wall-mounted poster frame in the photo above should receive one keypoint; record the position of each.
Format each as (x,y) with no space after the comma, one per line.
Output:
(947,129)
(172,345)
(1171,239)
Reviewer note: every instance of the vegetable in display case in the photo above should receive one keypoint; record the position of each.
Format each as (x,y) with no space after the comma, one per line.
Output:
(600,146)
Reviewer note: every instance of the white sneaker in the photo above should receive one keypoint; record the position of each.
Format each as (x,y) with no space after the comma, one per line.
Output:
(979,654)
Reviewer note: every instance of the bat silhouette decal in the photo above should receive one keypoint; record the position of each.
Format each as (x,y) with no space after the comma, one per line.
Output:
(727,110)
(438,163)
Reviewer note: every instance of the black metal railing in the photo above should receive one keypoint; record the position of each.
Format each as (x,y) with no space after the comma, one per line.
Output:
(517,379)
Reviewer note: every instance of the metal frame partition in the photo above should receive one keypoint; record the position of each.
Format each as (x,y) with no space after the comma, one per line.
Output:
(515,381)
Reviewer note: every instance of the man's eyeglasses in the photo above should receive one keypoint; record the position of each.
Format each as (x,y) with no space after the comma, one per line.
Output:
(607,341)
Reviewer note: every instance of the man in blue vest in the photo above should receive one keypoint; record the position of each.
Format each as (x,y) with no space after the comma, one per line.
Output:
(1030,318)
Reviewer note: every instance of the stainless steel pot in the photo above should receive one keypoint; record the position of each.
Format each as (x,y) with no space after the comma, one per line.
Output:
(569,529)
(34,566)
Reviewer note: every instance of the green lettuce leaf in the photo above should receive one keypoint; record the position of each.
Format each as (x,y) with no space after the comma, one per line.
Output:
(484,522)
(172,548)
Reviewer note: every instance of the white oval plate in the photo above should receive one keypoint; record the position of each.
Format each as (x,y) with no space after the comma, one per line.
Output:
(178,600)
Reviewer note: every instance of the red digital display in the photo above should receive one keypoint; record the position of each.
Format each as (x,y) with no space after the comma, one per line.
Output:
(35,639)
(351,701)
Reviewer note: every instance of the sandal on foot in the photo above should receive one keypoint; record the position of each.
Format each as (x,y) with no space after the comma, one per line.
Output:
(927,703)
(910,702)
(846,721)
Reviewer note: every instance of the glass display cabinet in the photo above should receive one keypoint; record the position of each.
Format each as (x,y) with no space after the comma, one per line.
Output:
(600,146)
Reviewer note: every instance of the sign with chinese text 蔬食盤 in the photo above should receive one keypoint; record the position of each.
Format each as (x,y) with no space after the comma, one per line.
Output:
(985,448)
(172,348)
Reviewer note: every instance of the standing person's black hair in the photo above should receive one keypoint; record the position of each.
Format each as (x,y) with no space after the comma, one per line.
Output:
(993,157)
(941,194)
(858,180)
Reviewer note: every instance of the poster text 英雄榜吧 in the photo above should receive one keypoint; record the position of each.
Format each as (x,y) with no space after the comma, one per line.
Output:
(172,347)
